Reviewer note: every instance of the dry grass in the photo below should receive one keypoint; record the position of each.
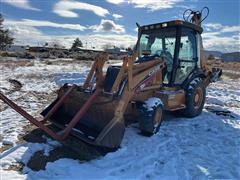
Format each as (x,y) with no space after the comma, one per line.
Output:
(234,66)
(230,69)
(15,63)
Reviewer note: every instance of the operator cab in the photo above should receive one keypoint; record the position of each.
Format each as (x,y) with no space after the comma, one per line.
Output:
(177,43)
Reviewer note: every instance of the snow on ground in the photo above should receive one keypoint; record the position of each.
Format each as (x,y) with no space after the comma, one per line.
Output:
(198,148)
(38,81)
(23,152)
(204,147)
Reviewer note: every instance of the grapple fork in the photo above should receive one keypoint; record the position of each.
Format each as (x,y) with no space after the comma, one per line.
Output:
(61,135)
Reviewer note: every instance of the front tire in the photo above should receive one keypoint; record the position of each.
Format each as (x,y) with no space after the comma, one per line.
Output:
(195,98)
(150,121)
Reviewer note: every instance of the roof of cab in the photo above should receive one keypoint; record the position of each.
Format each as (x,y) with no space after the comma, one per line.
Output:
(172,24)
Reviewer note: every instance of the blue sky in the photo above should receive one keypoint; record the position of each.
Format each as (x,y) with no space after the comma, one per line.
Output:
(113,21)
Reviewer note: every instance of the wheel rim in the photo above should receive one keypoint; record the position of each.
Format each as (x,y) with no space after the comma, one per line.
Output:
(198,98)
(157,117)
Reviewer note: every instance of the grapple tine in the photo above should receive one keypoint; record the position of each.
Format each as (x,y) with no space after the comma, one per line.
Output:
(40,124)
(58,104)
(29,117)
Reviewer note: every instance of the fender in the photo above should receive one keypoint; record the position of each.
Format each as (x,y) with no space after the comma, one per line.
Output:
(194,74)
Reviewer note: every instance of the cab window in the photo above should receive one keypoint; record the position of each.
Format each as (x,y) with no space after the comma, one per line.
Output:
(187,55)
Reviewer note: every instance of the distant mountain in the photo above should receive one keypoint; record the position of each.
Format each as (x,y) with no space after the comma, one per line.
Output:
(234,56)
(217,54)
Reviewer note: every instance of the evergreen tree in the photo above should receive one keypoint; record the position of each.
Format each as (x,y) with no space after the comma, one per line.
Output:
(211,57)
(77,43)
(5,38)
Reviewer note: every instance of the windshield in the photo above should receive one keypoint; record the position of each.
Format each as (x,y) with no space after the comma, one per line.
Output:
(160,42)
(157,41)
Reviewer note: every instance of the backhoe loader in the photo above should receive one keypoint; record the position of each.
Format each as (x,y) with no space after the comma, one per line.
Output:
(166,72)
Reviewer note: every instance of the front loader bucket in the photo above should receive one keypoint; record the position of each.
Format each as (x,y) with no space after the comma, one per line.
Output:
(97,126)
(88,116)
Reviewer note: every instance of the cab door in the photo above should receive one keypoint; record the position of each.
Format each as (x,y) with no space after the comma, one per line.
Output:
(187,59)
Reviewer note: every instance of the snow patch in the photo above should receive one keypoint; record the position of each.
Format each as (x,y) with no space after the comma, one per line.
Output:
(8,175)
(23,152)
(212,100)
(151,103)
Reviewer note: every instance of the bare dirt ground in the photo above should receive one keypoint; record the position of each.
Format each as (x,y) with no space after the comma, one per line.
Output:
(230,69)
(71,148)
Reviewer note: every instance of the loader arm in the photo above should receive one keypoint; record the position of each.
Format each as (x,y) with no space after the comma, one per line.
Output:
(139,76)
(96,70)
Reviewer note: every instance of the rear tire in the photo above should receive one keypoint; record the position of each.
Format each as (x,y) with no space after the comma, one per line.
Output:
(195,98)
(150,121)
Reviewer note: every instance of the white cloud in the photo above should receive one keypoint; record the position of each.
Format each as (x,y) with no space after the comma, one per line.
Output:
(65,8)
(152,5)
(27,35)
(38,23)
(23,4)
(117,16)
(20,30)
(221,28)
(24,35)
(24,32)
(108,26)
(223,44)
(217,41)
(231,29)
(212,26)
(237,37)
(123,40)
(210,34)
(115,1)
